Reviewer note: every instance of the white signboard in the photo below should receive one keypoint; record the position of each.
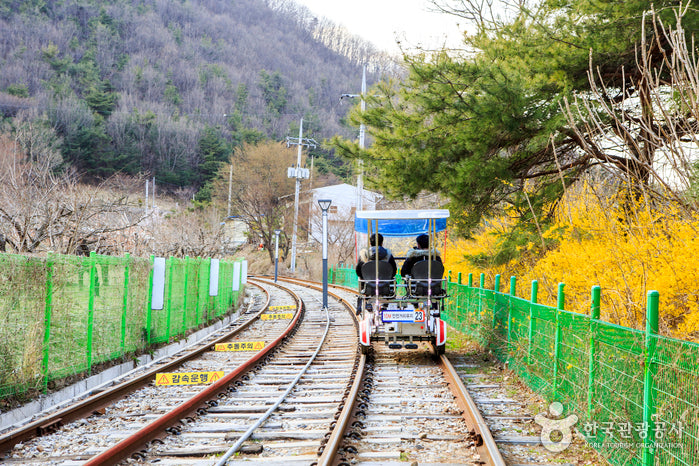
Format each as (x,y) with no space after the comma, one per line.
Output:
(158,296)
(236,276)
(213,277)
(244,272)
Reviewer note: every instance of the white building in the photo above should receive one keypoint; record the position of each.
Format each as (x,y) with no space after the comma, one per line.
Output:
(235,231)
(341,213)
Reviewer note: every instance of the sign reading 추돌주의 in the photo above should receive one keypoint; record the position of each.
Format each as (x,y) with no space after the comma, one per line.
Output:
(277,315)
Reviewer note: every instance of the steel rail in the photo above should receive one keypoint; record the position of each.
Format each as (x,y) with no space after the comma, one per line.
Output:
(487,448)
(232,450)
(317,286)
(156,429)
(327,458)
(329,450)
(93,403)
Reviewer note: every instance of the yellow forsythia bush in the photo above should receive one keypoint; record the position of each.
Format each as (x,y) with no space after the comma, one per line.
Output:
(626,252)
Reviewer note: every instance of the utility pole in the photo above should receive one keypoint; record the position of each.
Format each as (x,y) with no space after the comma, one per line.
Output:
(298,173)
(362,135)
(230,189)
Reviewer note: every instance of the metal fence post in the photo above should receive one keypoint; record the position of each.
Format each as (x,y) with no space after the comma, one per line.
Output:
(125,305)
(481,286)
(535,290)
(171,262)
(496,290)
(469,294)
(594,317)
(207,305)
(557,336)
(184,298)
(198,292)
(91,310)
(648,397)
(149,308)
(48,305)
(458,291)
(513,290)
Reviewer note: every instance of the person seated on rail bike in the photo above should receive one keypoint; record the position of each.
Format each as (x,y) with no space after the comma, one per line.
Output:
(366,270)
(419,253)
(374,253)
(423,269)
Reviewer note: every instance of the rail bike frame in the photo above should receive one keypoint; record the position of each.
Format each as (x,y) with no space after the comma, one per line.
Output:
(401,314)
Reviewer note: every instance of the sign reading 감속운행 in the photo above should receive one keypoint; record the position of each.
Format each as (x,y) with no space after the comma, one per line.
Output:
(187,378)
(240,346)
(279,308)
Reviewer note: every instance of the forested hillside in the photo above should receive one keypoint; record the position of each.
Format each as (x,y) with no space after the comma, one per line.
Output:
(169,88)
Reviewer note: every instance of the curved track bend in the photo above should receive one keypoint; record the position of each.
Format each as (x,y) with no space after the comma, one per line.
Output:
(309,397)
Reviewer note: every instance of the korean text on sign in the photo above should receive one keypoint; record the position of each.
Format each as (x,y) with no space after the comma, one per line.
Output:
(280,315)
(187,378)
(240,346)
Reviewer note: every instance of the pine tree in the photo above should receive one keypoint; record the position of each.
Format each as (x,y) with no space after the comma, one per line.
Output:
(214,151)
(480,127)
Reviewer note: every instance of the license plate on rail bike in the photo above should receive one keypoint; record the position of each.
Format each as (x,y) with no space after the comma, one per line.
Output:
(410,316)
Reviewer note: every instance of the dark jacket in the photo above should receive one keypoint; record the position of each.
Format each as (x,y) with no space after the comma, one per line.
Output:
(417,255)
(370,255)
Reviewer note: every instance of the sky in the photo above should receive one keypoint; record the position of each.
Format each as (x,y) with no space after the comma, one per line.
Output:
(382,21)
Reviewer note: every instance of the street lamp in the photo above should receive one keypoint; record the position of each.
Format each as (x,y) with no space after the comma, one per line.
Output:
(324,206)
(276,253)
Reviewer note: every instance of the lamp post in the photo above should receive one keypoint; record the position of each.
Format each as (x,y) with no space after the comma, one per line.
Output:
(324,206)
(276,253)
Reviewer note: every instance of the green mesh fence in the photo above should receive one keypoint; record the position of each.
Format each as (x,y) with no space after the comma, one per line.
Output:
(636,393)
(343,275)
(22,321)
(63,315)
(225,291)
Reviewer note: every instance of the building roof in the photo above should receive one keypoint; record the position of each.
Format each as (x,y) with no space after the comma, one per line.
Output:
(344,193)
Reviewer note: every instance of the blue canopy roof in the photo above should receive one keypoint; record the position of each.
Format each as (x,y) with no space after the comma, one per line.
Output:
(398,223)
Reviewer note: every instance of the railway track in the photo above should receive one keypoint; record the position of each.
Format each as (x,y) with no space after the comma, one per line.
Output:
(411,406)
(311,399)
(102,419)
(411,410)
(509,412)
(301,387)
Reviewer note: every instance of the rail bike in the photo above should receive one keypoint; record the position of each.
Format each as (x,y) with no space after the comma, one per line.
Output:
(401,310)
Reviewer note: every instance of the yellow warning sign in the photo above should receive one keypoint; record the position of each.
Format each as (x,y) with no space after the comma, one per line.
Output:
(240,346)
(278,315)
(187,378)
(279,308)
